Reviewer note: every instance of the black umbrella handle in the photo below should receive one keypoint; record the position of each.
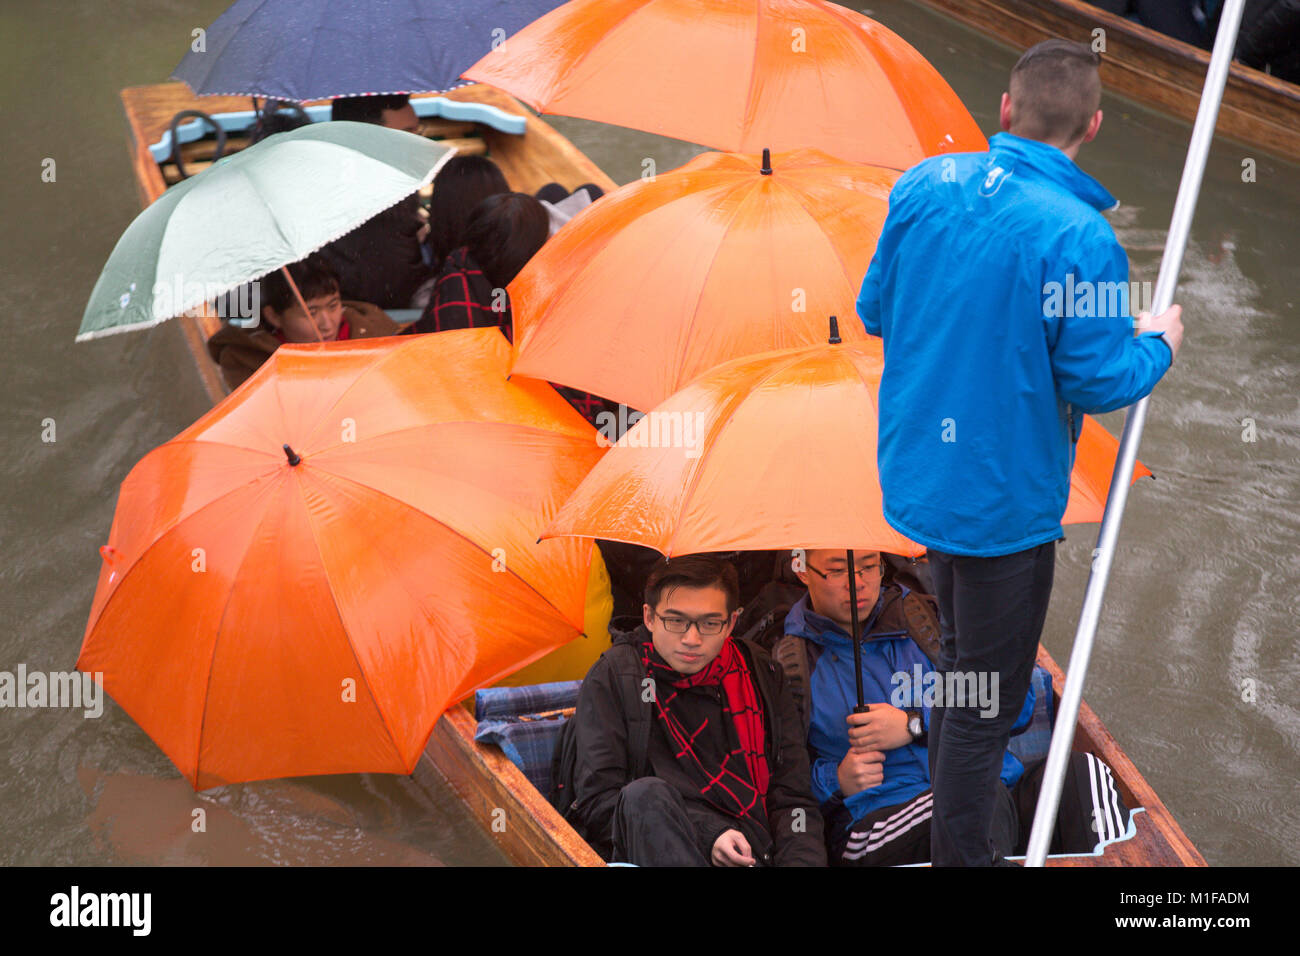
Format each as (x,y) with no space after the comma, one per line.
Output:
(862,708)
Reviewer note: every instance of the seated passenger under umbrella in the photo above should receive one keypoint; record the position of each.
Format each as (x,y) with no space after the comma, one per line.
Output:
(329,318)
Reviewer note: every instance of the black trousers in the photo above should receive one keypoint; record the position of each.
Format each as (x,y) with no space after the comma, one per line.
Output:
(991,613)
(1091,810)
(652,827)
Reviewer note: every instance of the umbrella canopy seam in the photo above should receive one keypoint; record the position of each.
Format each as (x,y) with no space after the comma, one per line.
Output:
(216,639)
(347,635)
(856,26)
(750,105)
(750,190)
(798,196)
(550,92)
(708,441)
(457,533)
(173,526)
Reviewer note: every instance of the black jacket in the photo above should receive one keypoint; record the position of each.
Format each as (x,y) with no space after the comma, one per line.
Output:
(791,838)
(380,261)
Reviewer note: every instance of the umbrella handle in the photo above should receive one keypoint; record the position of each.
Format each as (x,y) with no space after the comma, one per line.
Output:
(302,302)
(857,638)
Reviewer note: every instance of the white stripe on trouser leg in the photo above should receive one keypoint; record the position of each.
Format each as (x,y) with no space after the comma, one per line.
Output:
(1111,797)
(893,822)
(1099,823)
(1107,825)
(885,831)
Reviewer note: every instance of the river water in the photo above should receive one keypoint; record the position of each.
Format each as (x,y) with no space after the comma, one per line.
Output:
(1197,662)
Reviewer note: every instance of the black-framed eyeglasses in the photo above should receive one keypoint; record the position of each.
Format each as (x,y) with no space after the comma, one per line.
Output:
(841,575)
(680,624)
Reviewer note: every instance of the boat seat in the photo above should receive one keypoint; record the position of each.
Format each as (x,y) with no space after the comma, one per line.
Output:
(432,107)
(525,722)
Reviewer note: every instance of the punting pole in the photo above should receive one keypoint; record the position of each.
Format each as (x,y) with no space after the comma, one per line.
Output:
(1180,225)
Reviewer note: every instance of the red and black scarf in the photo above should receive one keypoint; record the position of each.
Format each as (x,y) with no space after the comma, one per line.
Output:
(738,785)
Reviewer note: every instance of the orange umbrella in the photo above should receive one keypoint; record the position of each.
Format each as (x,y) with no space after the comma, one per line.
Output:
(1094,464)
(660,281)
(728,462)
(303,581)
(737,75)
(768,451)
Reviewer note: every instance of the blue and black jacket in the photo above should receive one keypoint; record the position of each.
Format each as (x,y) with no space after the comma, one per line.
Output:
(832,695)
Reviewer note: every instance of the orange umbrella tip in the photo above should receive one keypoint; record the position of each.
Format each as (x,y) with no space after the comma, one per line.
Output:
(767,162)
(835,332)
(289,453)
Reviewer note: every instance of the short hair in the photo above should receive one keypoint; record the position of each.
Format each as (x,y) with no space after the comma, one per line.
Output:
(1055,90)
(504,232)
(314,277)
(463,183)
(693,571)
(367,109)
(280,121)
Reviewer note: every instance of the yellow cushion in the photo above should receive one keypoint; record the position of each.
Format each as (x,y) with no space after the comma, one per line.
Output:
(574,659)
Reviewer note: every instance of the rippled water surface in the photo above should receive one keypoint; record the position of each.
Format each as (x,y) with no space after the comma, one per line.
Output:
(1196,666)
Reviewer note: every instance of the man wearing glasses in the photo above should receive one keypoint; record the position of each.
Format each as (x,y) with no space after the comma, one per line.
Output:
(689,751)
(871,770)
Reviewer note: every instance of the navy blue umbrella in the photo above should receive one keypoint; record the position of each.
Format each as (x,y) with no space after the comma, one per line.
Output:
(320,49)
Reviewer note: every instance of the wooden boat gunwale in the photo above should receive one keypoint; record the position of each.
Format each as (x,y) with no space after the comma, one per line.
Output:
(524,825)
(1148,67)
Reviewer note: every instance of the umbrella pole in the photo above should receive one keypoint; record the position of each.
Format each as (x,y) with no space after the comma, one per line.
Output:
(857,638)
(302,302)
(1170,264)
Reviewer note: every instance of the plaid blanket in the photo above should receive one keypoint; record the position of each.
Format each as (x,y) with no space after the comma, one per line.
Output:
(525,723)
(1034,742)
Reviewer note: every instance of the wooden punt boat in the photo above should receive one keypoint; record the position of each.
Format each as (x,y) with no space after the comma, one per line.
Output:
(529,831)
(1147,66)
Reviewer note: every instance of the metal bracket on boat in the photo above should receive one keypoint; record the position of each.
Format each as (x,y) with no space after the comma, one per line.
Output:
(426,106)
(199,119)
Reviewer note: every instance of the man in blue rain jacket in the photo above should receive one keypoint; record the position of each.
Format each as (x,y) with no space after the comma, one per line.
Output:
(1002,298)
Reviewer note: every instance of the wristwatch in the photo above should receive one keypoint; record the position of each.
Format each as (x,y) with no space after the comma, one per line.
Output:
(916,726)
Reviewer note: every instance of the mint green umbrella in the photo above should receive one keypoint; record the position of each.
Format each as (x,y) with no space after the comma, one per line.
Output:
(251,213)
